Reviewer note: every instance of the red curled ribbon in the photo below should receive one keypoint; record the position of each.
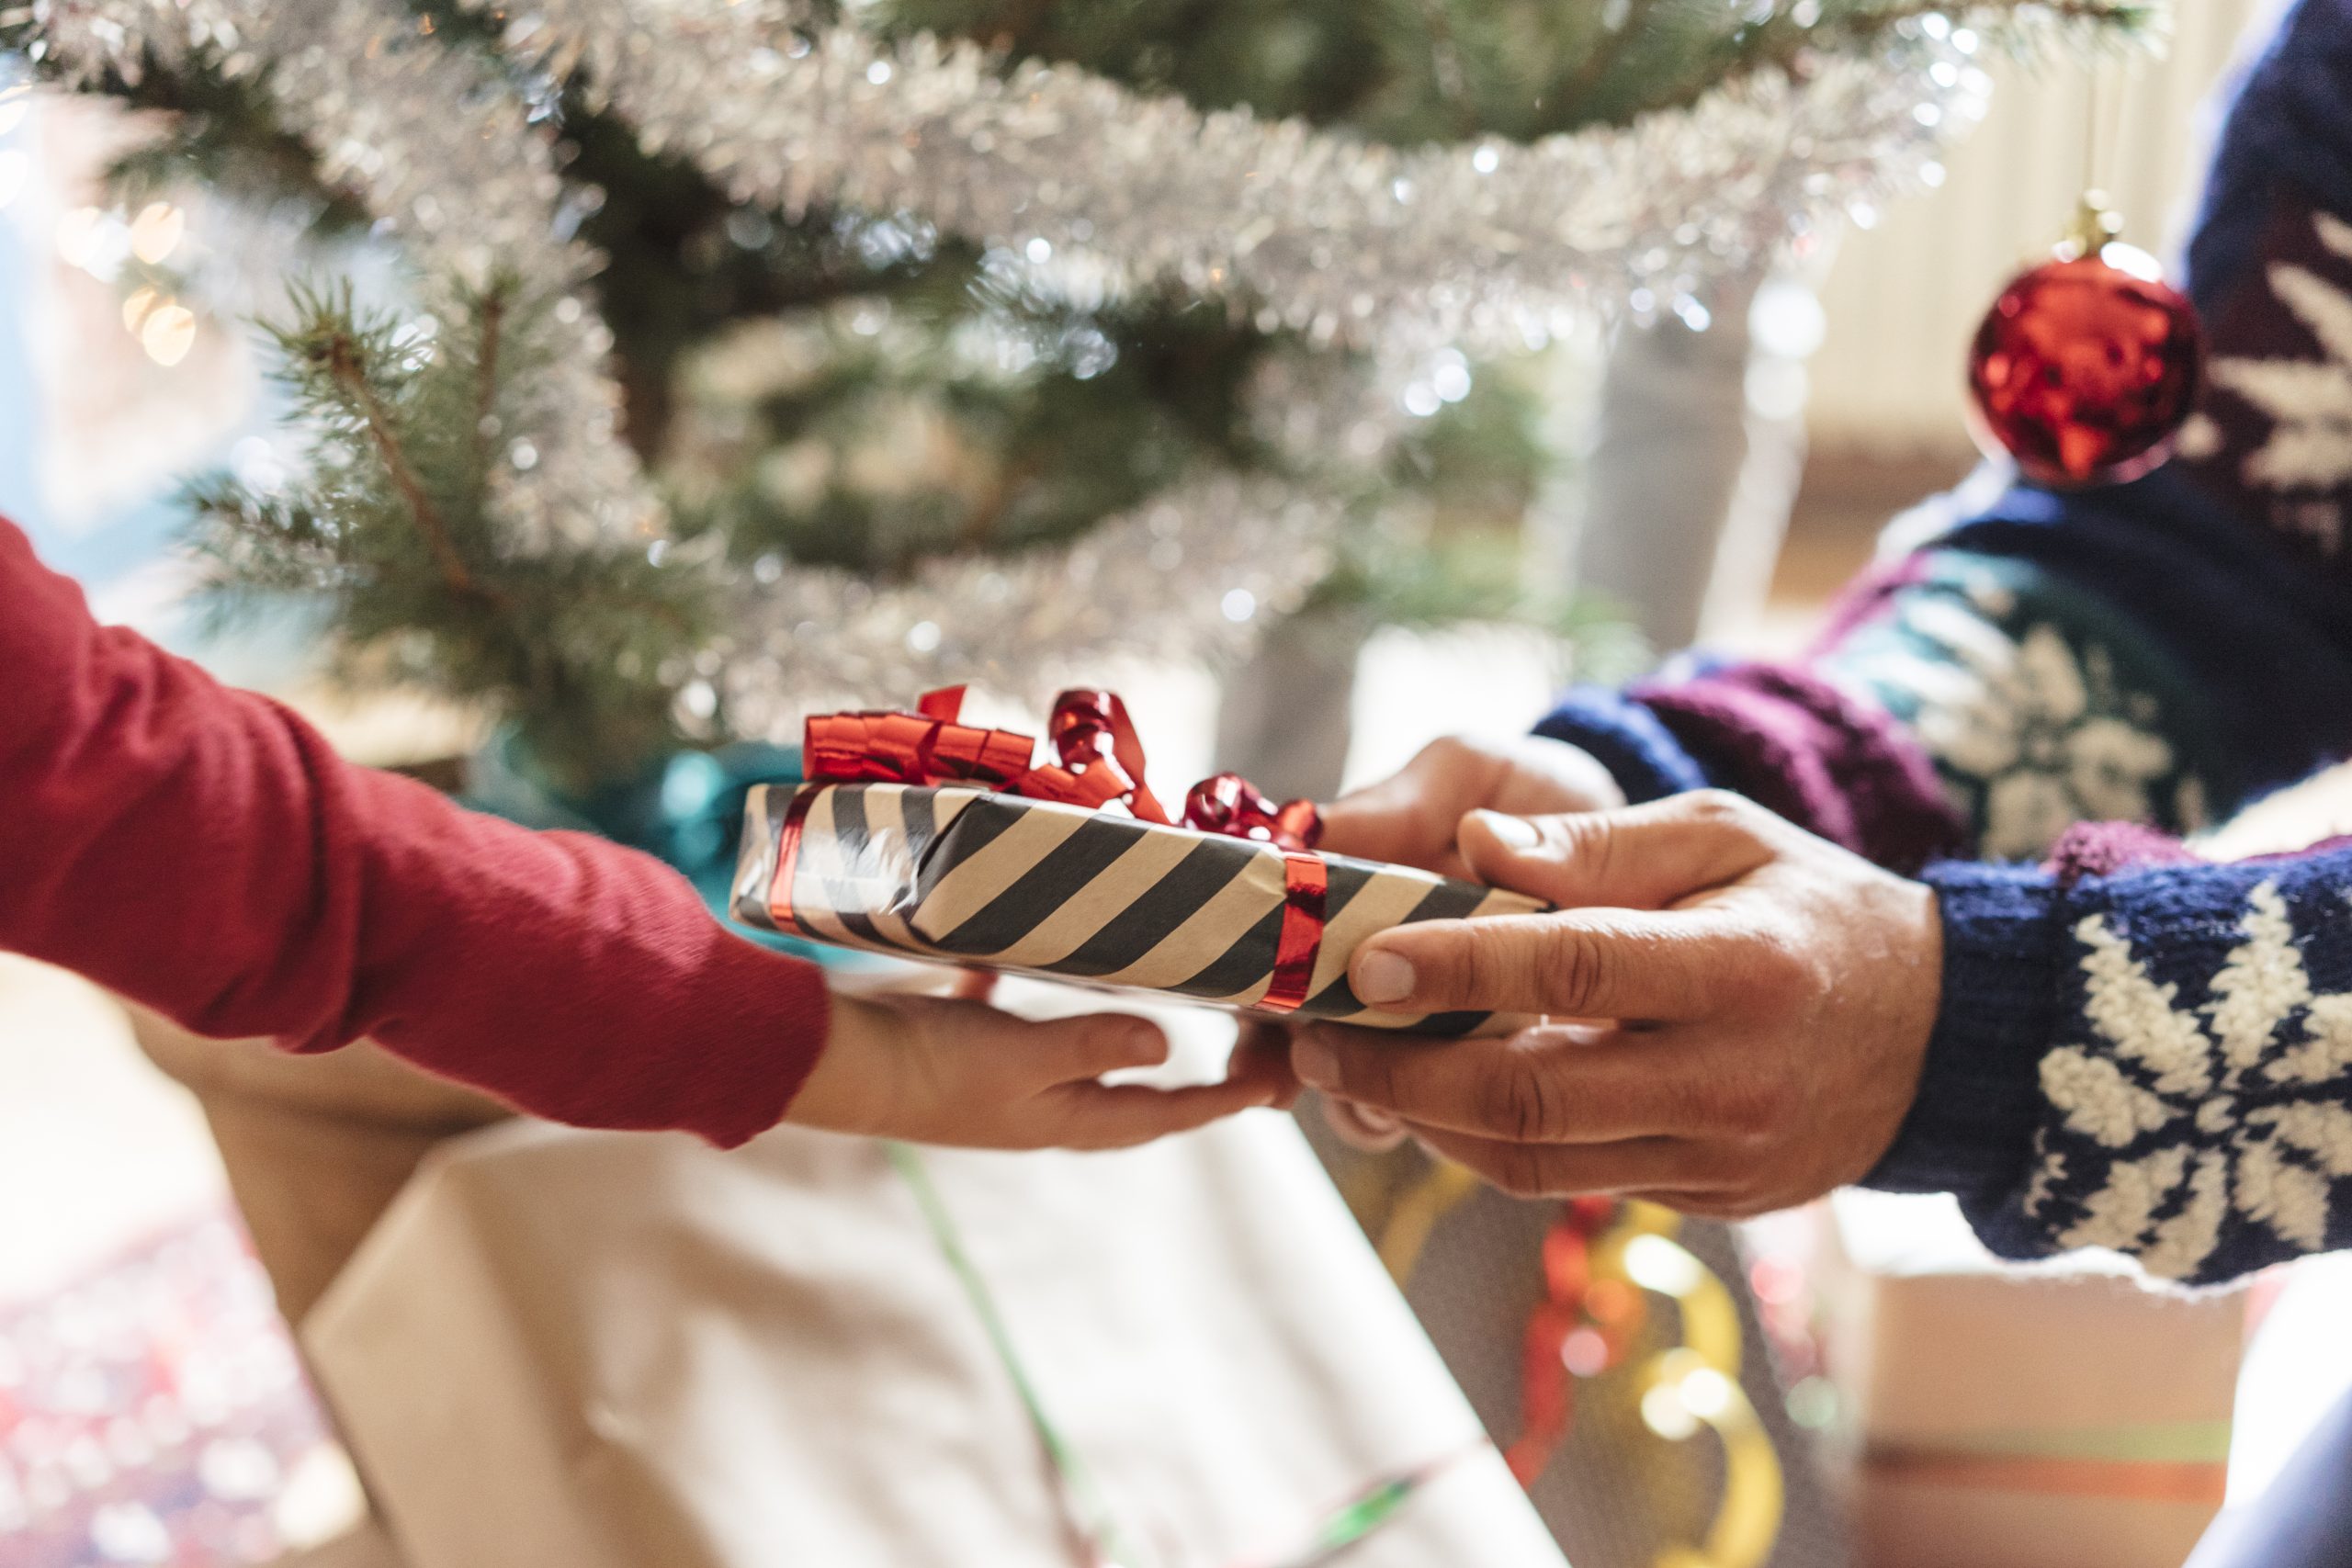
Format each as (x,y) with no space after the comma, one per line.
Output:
(1098,759)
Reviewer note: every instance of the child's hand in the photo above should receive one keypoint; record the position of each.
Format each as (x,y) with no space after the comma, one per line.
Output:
(941,1070)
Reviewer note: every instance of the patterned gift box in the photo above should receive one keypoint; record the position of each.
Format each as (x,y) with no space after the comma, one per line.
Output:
(1006,882)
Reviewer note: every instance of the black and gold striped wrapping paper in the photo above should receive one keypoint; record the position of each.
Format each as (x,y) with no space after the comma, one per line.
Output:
(1008,883)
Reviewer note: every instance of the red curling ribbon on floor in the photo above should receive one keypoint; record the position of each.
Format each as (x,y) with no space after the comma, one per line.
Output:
(1572,1302)
(1306,880)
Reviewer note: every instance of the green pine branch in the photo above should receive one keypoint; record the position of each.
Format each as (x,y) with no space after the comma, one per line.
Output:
(395,528)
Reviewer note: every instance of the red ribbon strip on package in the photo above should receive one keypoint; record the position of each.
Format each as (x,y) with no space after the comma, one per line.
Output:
(787,861)
(1306,879)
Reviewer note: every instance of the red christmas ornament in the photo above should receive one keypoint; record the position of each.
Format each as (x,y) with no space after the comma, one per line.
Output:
(2087,366)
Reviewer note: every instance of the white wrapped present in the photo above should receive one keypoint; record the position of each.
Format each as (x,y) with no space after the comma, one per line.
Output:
(579,1350)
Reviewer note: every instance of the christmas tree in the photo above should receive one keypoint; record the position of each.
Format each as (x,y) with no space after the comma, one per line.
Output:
(763,354)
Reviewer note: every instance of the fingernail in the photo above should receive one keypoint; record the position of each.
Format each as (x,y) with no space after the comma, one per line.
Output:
(1511,832)
(1315,1062)
(1143,1041)
(1382,978)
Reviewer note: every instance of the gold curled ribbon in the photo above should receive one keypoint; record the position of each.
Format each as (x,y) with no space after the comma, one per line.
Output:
(1683,1389)
(1698,1381)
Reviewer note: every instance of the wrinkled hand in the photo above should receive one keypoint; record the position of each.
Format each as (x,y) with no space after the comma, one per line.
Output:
(1774,996)
(955,1070)
(1408,818)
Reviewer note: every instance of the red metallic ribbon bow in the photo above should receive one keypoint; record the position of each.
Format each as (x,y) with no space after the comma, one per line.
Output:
(1098,759)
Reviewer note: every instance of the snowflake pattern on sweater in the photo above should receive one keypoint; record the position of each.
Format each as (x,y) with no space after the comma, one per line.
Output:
(2207,1134)
(2132,1053)
(2275,434)
(2036,718)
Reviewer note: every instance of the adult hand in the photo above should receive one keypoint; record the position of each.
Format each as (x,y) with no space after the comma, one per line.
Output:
(1772,997)
(1409,818)
(955,1070)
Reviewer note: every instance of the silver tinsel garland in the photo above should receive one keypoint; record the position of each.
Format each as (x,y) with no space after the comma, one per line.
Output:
(1495,245)
(444,153)
(1224,548)
(1487,247)
(1492,244)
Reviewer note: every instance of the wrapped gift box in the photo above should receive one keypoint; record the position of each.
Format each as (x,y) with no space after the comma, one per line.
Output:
(977,876)
(2046,1418)
(919,834)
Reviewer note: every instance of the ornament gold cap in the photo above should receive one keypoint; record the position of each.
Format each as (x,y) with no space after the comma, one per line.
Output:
(2095,223)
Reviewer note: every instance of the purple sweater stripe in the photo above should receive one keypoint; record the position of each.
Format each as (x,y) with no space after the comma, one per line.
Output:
(1792,741)
(1867,597)
(2110,848)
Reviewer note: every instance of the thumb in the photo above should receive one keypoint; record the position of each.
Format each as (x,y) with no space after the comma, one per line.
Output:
(1641,857)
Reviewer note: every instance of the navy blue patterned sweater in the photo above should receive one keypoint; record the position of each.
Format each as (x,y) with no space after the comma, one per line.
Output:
(2136,1051)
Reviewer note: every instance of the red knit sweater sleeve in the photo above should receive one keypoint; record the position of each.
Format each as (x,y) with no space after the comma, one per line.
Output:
(202,850)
